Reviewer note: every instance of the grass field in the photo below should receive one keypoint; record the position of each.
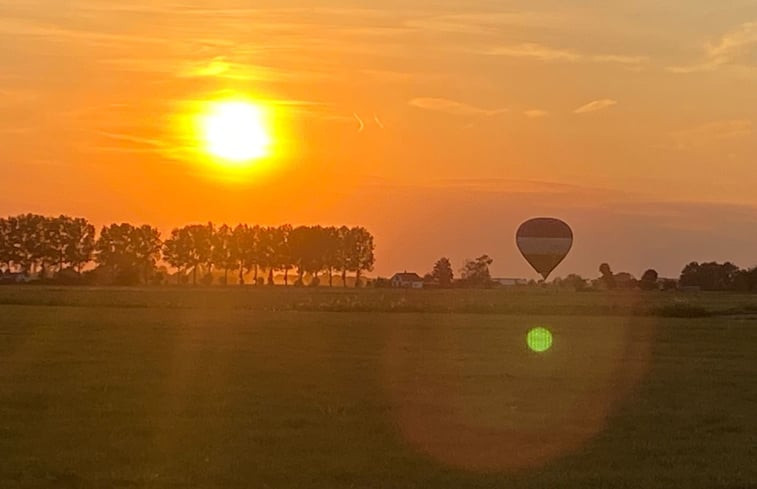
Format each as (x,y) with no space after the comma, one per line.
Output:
(246,388)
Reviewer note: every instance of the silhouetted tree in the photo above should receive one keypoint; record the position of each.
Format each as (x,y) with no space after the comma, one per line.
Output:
(189,247)
(649,280)
(301,246)
(476,273)
(80,246)
(574,281)
(360,252)
(746,280)
(130,252)
(331,252)
(709,276)
(442,273)
(607,278)
(343,257)
(225,251)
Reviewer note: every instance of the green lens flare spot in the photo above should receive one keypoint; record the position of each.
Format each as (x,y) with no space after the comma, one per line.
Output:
(539,340)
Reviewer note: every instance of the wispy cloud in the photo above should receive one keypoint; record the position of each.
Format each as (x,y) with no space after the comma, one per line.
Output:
(595,106)
(453,107)
(361,124)
(736,48)
(544,53)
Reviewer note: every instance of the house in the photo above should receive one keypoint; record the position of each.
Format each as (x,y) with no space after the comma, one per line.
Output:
(510,282)
(407,280)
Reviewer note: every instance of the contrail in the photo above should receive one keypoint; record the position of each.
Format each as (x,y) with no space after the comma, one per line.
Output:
(360,121)
(378,121)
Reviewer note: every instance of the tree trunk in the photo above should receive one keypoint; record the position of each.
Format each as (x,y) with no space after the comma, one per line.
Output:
(286,277)
(357,279)
(241,273)
(344,278)
(331,278)
(270,276)
(194,275)
(255,276)
(226,277)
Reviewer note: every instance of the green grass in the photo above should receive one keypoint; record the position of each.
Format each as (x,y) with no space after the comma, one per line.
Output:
(267,388)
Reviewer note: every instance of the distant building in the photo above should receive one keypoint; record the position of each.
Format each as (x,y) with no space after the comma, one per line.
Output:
(15,278)
(407,280)
(510,282)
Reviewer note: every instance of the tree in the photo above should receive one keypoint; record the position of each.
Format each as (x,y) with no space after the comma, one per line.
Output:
(189,247)
(331,252)
(175,253)
(5,250)
(225,251)
(130,253)
(361,252)
(649,280)
(28,241)
(245,249)
(302,252)
(746,280)
(607,278)
(575,282)
(476,273)
(709,276)
(443,273)
(343,256)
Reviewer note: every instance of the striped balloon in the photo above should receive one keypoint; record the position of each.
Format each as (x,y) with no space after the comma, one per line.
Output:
(544,243)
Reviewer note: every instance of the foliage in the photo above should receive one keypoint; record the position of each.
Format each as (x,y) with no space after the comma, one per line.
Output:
(442,273)
(709,276)
(649,280)
(608,278)
(476,273)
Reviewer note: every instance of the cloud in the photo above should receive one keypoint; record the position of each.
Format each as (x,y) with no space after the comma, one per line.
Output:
(453,107)
(711,133)
(535,113)
(361,124)
(595,106)
(544,53)
(735,48)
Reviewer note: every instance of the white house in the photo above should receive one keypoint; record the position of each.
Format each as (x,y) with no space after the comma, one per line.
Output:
(510,282)
(407,280)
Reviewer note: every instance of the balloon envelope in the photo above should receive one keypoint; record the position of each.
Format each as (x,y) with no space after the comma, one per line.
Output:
(544,243)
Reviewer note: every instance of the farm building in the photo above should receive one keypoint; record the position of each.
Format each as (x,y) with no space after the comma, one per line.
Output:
(407,280)
(510,282)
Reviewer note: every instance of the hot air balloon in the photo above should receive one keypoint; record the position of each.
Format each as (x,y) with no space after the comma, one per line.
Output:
(544,243)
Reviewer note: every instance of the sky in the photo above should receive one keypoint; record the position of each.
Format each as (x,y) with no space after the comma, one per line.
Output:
(440,126)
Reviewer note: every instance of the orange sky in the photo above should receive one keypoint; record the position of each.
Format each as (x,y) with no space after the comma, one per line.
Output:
(635,122)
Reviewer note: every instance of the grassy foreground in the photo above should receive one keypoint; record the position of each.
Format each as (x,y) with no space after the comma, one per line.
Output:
(374,389)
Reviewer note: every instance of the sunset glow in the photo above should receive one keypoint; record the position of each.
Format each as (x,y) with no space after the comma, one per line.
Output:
(235,132)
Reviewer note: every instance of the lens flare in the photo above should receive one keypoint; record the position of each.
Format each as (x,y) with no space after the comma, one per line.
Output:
(539,340)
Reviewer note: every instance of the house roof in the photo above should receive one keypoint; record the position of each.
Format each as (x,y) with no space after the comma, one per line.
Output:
(407,277)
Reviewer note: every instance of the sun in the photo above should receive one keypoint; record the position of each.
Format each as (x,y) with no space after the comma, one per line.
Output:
(235,132)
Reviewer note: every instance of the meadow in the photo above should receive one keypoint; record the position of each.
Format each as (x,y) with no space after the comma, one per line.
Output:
(272,388)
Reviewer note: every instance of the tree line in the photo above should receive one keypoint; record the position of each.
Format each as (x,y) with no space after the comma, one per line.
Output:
(709,276)
(68,249)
